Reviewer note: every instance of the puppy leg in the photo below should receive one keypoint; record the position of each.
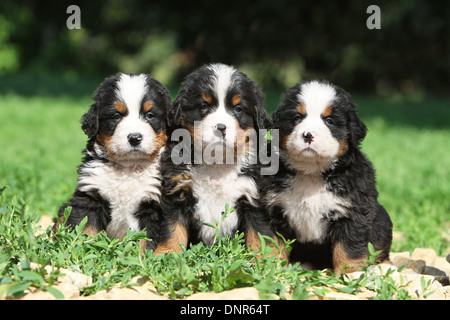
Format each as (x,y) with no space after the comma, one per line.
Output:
(349,240)
(381,234)
(83,205)
(178,235)
(342,258)
(256,221)
(149,215)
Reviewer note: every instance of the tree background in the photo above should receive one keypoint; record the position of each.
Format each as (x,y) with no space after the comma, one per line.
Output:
(275,42)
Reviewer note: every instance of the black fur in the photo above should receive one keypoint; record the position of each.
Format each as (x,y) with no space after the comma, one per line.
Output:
(179,201)
(100,121)
(350,177)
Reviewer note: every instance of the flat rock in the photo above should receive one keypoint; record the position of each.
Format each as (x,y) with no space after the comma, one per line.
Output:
(442,264)
(426,254)
(418,266)
(69,284)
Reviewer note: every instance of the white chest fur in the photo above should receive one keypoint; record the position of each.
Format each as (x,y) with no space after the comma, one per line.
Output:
(306,204)
(214,186)
(124,187)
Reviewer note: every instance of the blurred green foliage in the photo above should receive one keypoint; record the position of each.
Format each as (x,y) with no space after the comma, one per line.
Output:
(275,42)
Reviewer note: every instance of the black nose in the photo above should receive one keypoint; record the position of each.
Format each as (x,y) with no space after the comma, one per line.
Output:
(308,137)
(134,139)
(221,127)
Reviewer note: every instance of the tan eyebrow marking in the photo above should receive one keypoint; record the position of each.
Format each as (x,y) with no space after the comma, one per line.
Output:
(301,108)
(148,105)
(236,99)
(120,106)
(327,112)
(207,97)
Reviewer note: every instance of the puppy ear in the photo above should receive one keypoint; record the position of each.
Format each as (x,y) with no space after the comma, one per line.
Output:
(174,113)
(276,118)
(261,116)
(357,128)
(89,121)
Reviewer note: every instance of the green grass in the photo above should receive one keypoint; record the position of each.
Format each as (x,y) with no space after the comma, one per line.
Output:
(407,142)
(112,262)
(408,145)
(41,142)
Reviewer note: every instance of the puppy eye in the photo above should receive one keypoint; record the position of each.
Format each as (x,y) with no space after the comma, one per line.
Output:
(297,117)
(149,116)
(237,109)
(204,107)
(329,121)
(116,116)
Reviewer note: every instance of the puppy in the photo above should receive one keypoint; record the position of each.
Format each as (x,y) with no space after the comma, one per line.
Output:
(218,113)
(119,183)
(324,194)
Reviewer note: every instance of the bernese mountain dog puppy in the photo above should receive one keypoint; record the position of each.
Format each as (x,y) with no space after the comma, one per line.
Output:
(119,180)
(324,194)
(212,160)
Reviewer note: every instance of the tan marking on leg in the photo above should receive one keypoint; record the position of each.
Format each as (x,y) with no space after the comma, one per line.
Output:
(179,235)
(90,230)
(253,242)
(341,259)
(143,245)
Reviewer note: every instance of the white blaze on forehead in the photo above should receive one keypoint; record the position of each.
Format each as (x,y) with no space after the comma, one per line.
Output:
(316,96)
(223,80)
(319,154)
(131,90)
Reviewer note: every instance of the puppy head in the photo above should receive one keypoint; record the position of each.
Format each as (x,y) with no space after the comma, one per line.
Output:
(219,105)
(128,118)
(318,124)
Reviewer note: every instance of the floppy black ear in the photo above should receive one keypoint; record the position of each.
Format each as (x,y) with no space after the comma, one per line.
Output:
(174,113)
(89,121)
(357,128)
(261,116)
(276,118)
